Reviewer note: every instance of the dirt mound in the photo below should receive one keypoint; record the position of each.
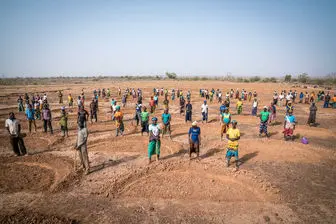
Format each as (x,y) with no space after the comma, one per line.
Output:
(18,177)
(190,185)
(28,217)
(37,173)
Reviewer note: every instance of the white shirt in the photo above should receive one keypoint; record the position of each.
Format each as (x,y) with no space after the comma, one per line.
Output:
(281,96)
(82,136)
(114,107)
(204,108)
(289,97)
(13,126)
(155,129)
(255,103)
(44,97)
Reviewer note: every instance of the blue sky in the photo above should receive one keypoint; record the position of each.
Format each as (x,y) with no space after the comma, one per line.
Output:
(139,37)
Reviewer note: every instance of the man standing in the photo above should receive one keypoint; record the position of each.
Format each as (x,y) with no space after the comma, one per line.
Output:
(20,104)
(264,116)
(233,135)
(154,140)
(60,97)
(82,116)
(144,121)
(152,105)
(64,122)
(93,110)
(194,139)
(188,116)
(30,115)
(225,121)
(312,114)
(182,104)
(70,101)
(46,117)
(137,116)
(326,101)
(14,128)
(166,118)
(81,146)
(254,107)
(204,108)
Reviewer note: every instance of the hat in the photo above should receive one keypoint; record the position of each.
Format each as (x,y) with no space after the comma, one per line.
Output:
(194,123)
(62,108)
(265,107)
(154,119)
(205,101)
(234,122)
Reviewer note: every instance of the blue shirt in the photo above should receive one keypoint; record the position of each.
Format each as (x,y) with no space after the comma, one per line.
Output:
(222,108)
(30,114)
(165,118)
(291,119)
(194,133)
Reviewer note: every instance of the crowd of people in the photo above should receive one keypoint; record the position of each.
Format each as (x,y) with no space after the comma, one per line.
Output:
(37,107)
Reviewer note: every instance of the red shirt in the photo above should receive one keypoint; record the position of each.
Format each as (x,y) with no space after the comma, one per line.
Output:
(151,103)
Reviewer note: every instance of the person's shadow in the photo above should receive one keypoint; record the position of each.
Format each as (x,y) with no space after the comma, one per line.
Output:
(247,157)
(110,163)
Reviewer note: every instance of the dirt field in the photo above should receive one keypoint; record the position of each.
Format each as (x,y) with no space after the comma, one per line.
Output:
(278,181)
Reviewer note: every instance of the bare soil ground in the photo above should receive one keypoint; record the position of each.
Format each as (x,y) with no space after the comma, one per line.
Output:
(278,181)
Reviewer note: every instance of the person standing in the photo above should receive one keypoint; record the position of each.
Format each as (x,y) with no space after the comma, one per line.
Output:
(272,110)
(194,139)
(64,122)
(225,121)
(233,135)
(312,114)
(46,117)
(326,101)
(289,126)
(60,97)
(14,129)
(144,120)
(255,107)
(20,104)
(70,101)
(118,116)
(301,97)
(81,146)
(182,104)
(82,117)
(137,115)
(204,110)
(154,140)
(166,118)
(30,116)
(188,116)
(239,106)
(93,110)
(264,116)
(152,105)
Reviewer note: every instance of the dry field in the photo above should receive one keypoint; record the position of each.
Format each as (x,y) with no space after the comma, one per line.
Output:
(278,181)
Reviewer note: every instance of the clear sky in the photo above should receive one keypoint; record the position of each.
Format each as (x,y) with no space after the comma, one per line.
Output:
(143,37)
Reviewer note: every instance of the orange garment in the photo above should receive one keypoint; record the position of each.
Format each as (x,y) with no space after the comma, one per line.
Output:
(118,116)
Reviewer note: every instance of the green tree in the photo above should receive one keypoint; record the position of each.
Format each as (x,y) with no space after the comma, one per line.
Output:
(303,78)
(288,78)
(171,75)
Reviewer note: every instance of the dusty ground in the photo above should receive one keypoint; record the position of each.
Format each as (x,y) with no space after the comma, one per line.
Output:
(278,181)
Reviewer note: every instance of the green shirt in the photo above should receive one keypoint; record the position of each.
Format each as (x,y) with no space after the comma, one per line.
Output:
(264,116)
(144,116)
